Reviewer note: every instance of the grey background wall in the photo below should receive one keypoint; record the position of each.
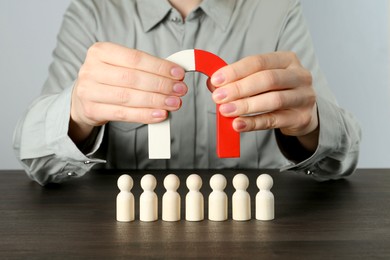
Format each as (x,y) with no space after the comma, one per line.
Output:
(351,38)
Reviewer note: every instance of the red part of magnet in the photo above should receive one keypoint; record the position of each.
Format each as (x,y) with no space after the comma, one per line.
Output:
(228,140)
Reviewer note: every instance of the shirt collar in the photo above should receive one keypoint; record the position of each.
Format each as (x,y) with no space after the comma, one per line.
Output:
(153,12)
(220,11)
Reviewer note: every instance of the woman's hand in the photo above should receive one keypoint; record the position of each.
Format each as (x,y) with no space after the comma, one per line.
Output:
(116,83)
(267,92)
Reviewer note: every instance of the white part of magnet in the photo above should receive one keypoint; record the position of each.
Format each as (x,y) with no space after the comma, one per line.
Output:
(159,134)
(185,59)
(159,137)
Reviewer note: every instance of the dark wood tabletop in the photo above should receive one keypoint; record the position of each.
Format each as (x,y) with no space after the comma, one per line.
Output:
(345,219)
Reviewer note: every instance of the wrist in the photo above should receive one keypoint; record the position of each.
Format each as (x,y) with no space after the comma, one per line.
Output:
(298,148)
(310,141)
(79,132)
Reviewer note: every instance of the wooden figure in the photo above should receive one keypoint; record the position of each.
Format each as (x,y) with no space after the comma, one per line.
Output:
(171,199)
(125,199)
(264,198)
(241,201)
(194,199)
(148,203)
(218,201)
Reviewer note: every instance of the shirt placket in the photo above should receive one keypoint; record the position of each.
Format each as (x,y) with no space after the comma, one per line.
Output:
(184,120)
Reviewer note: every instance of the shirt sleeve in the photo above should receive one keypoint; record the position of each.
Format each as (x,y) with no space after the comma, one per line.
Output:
(338,150)
(43,146)
(41,140)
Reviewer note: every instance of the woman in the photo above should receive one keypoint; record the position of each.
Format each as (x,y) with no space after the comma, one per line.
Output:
(109,78)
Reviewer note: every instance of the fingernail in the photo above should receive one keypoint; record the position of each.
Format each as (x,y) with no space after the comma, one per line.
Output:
(219,94)
(172,101)
(227,108)
(239,125)
(177,72)
(218,79)
(159,114)
(180,88)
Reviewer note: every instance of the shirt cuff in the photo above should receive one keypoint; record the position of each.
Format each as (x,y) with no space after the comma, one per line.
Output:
(56,128)
(330,132)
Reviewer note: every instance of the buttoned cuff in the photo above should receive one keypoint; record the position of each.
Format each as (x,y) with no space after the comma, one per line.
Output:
(56,128)
(330,132)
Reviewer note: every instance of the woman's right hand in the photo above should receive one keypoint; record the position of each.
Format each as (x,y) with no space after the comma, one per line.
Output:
(116,83)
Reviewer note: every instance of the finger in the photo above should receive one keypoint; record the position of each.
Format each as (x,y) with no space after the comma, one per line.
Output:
(123,77)
(251,65)
(129,98)
(261,82)
(270,101)
(134,59)
(98,112)
(286,119)
(210,86)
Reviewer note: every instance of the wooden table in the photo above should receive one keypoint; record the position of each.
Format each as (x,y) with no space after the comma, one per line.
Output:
(346,219)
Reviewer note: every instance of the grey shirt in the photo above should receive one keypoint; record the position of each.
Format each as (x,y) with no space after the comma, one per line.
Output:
(232,29)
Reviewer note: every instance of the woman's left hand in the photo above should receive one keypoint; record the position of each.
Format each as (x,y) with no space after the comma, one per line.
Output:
(267,92)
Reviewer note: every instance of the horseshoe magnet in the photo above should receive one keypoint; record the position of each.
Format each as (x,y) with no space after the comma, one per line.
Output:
(228,140)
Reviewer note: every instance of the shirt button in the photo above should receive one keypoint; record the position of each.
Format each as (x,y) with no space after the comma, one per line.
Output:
(71,174)
(175,19)
(308,172)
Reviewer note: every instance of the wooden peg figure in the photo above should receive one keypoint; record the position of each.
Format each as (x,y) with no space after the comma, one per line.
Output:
(171,199)
(125,199)
(218,201)
(194,199)
(241,202)
(148,204)
(264,198)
